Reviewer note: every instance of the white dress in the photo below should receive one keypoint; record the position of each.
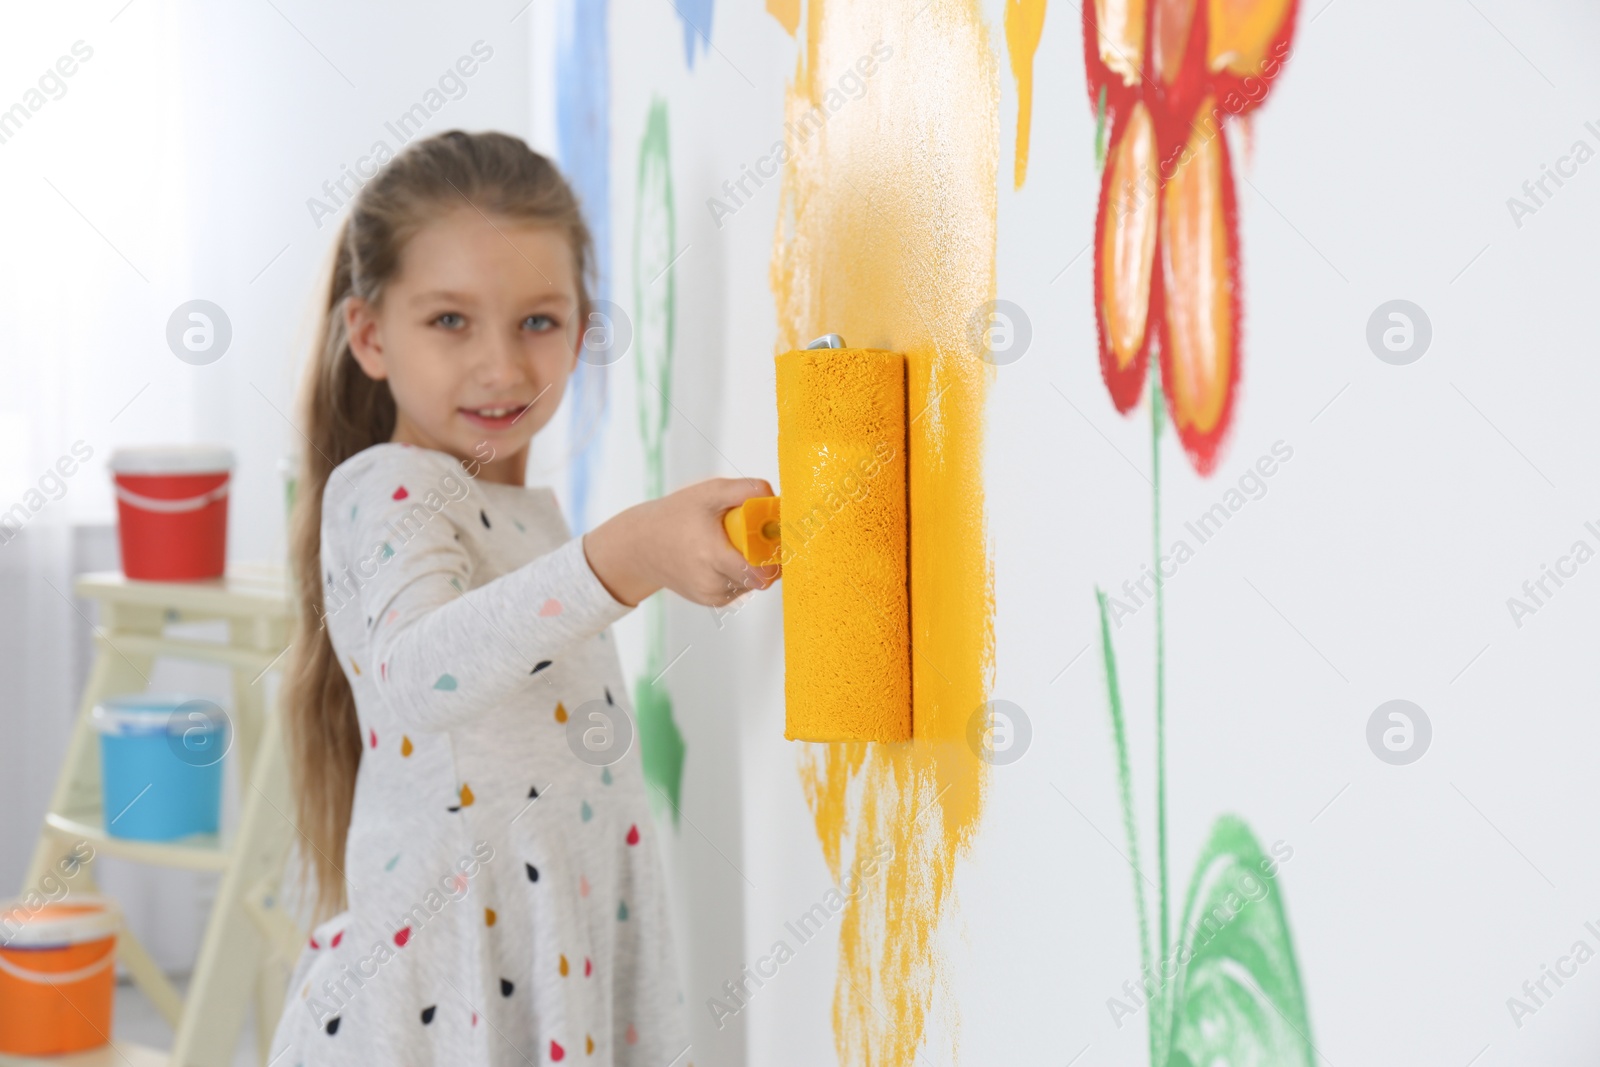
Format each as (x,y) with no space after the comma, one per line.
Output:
(505,892)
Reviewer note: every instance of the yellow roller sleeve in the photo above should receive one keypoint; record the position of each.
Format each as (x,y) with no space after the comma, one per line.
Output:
(846,609)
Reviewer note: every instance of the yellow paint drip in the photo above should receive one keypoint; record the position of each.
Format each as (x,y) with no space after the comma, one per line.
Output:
(1024,26)
(787,12)
(886,235)
(842,473)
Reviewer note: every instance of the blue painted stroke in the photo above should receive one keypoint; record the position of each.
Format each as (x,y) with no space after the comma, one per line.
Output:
(583,132)
(696,17)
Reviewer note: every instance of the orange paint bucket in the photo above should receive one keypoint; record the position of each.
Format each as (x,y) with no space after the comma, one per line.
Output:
(57,975)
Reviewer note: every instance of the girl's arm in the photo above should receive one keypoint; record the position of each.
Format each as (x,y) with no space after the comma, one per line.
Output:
(440,650)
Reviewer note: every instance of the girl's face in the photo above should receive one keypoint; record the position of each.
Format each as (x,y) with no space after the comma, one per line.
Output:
(476,335)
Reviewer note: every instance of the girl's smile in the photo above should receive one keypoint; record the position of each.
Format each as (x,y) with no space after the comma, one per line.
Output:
(496,418)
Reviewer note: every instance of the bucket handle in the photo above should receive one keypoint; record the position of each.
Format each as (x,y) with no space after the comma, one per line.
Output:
(58,977)
(151,503)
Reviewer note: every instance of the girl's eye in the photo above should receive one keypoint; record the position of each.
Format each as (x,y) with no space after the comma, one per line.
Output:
(450,320)
(539,323)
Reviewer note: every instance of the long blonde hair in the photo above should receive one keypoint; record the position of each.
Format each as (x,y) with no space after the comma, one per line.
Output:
(342,412)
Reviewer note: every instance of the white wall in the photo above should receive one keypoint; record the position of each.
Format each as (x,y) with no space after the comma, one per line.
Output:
(1377,566)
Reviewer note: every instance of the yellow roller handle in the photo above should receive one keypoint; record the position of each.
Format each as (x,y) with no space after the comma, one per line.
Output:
(753,528)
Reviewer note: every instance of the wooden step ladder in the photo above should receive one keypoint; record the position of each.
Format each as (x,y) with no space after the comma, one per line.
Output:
(250,941)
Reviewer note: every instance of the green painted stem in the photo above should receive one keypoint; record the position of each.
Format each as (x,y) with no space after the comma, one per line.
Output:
(661,744)
(656,634)
(1130,824)
(1161,652)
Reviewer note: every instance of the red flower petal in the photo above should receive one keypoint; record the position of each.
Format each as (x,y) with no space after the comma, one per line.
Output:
(1248,43)
(400,493)
(402,935)
(1113,52)
(633,834)
(1177,67)
(556,1051)
(1199,312)
(1125,248)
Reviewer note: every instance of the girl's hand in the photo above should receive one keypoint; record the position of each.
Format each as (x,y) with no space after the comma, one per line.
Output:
(677,542)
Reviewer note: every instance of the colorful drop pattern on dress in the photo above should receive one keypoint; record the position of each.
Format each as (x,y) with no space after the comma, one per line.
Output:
(465,798)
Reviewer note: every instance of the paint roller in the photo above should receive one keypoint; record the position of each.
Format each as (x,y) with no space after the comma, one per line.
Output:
(842,538)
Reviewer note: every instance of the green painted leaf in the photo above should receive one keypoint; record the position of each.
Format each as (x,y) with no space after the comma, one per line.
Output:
(1100,130)
(1237,1000)
(660,744)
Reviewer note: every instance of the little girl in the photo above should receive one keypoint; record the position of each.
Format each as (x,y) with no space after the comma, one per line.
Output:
(471,802)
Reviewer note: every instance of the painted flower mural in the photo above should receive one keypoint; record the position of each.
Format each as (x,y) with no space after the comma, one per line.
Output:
(1166,78)
(655,313)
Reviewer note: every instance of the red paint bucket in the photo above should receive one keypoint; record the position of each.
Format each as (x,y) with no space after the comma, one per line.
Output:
(172,510)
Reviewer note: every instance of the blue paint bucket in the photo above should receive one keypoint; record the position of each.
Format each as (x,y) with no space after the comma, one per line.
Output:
(161,765)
